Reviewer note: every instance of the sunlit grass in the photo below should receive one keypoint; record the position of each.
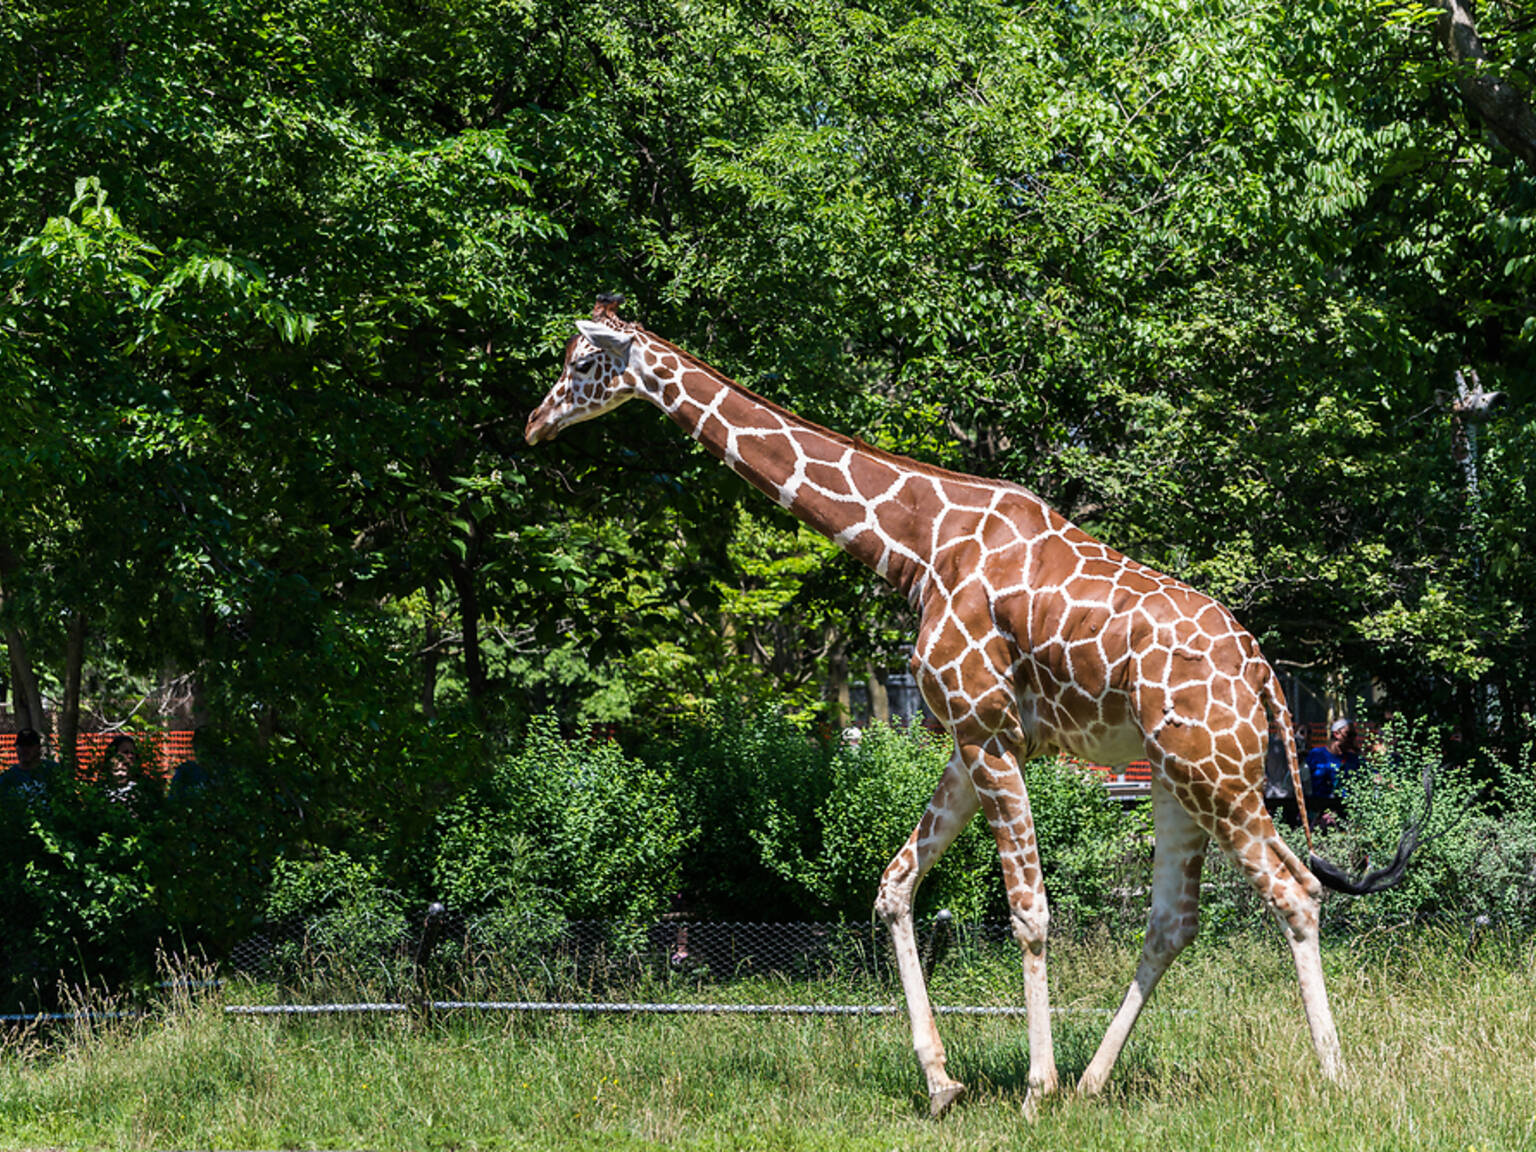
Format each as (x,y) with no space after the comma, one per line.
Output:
(1442,1049)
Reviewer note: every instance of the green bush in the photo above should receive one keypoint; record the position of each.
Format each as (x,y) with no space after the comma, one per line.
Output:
(750,817)
(91,889)
(1504,869)
(1478,855)
(353,922)
(79,901)
(735,774)
(1095,851)
(488,869)
(564,828)
(878,791)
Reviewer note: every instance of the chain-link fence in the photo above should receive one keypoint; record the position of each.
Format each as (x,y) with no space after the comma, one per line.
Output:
(451,957)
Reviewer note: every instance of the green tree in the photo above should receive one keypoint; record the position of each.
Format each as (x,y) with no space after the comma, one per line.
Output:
(280,286)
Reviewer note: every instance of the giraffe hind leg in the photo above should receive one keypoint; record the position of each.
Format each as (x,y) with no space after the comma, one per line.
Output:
(1292,893)
(1243,829)
(953,805)
(1245,832)
(1172,924)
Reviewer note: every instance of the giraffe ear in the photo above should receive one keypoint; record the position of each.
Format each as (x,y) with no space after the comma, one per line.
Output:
(606,338)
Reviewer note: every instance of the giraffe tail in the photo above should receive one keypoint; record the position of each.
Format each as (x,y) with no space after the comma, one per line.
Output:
(1381,878)
(1331,875)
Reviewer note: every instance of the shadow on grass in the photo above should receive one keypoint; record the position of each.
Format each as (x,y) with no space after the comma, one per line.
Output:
(997,1071)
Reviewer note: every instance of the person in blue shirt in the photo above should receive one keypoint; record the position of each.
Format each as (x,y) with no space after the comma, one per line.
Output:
(1324,764)
(31,776)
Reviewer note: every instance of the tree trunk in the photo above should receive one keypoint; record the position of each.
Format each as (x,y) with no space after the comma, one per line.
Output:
(27,699)
(1498,103)
(69,714)
(463,576)
(268,724)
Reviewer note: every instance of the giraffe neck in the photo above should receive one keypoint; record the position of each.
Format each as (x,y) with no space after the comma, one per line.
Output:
(859,498)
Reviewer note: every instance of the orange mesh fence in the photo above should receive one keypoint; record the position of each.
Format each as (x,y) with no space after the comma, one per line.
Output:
(159,752)
(1137,773)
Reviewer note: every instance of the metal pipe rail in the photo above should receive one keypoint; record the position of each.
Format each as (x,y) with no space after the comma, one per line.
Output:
(617,1007)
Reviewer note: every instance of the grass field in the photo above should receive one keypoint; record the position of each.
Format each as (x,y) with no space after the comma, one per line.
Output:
(1442,1049)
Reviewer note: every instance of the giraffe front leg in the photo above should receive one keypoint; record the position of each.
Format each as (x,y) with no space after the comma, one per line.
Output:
(1000,788)
(953,804)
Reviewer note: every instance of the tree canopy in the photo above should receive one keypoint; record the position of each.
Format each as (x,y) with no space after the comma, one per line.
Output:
(281,282)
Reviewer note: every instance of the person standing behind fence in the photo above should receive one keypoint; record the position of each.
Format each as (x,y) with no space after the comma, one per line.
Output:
(119,776)
(1279,787)
(31,779)
(1324,764)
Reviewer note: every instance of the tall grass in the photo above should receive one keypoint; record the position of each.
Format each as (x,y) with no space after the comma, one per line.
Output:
(1441,1043)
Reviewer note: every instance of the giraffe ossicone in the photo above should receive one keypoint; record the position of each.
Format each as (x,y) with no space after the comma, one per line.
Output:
(1033,638)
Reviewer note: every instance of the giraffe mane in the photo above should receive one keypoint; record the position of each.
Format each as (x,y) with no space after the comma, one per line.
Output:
(861,446)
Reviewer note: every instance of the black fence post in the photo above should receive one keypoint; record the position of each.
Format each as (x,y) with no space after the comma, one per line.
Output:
(431,930)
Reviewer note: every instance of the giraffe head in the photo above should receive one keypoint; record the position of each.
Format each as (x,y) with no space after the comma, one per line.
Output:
(597,376)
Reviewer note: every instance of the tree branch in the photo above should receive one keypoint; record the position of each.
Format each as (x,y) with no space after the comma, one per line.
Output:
(1498,103)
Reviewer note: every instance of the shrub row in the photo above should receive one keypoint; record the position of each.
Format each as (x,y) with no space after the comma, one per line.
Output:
(744,818)
(752,818)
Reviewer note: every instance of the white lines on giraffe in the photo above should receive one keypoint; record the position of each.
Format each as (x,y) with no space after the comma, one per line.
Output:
(1034,638)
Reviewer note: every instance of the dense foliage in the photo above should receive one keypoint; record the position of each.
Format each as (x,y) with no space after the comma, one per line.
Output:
(757,822)
(279,284)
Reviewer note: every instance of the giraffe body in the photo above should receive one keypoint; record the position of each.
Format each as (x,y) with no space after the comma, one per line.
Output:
(1033,638)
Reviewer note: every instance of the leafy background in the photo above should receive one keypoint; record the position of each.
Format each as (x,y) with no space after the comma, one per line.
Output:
(280,282)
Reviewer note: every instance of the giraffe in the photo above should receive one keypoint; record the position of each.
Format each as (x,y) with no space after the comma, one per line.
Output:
(1033,638)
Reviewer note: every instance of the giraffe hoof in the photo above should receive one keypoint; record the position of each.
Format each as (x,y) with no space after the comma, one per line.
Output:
(1031,1107)
(940,1100)
(1035,1096)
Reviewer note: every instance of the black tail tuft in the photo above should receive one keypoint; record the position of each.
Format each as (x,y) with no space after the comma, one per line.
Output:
(1382,878)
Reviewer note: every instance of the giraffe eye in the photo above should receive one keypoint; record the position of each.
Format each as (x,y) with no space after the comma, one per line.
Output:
(584,364)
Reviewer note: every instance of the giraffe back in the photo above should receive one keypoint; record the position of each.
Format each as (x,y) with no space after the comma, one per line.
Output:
(1094,654)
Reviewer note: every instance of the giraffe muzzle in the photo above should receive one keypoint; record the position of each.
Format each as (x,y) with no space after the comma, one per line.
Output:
(540,427)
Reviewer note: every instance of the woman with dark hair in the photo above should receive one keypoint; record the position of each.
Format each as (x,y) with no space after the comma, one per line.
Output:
(119,771)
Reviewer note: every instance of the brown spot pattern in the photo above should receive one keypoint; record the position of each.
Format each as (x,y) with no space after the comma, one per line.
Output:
(1034,638)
